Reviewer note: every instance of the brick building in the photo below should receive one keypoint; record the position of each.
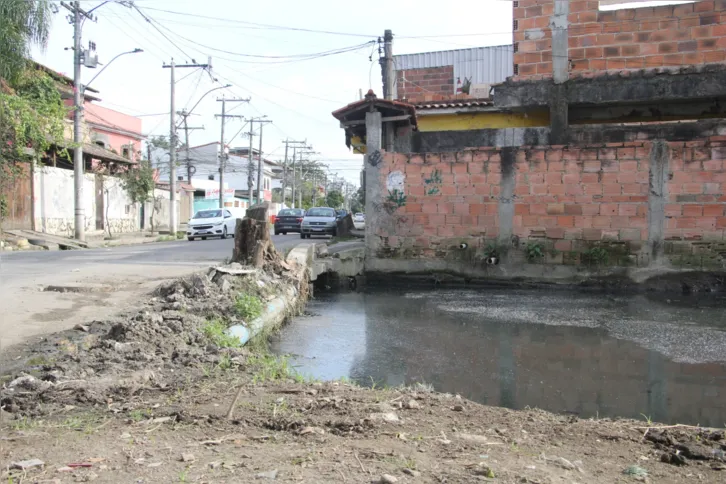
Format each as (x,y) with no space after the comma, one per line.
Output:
(626,170)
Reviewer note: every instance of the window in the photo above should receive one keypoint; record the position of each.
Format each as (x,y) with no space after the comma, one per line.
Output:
(125,152)
(623,4)
(101,144)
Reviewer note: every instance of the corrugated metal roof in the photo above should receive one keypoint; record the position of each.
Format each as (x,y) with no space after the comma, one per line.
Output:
(453,103)
(483,65)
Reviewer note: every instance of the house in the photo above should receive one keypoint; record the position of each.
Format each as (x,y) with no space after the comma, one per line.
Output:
(45,200)
(201,165)
(624,170)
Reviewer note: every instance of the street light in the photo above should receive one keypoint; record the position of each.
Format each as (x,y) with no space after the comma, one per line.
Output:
(78,168)
(203,96)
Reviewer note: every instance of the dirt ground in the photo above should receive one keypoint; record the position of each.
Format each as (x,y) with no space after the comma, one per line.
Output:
(145,398)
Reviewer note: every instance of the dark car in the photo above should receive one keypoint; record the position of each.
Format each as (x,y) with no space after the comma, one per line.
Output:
(289,220)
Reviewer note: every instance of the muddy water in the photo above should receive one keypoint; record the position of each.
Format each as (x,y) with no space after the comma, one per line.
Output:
(587,354)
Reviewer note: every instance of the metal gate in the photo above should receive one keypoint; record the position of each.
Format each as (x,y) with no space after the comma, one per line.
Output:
(19,202)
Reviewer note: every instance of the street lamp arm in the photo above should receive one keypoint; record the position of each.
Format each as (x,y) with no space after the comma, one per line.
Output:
(135,51)
(205,95)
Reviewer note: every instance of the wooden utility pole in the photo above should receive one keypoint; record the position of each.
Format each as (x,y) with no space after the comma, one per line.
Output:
(222,152)
(294,151)
(259,161)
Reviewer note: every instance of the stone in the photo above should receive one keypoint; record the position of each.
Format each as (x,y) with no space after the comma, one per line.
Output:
(27,464)
(411,472)
(272,475)
(458,408)
(187,458)
(387,479)
(65,469)
(81,327)
(413,405)
(385,416)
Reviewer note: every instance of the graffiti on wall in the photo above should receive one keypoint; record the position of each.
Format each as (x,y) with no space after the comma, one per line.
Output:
(433,183)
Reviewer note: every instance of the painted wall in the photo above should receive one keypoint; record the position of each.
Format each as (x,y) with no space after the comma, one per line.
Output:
(54,203)
(621,204)
(482,120)
(115,121)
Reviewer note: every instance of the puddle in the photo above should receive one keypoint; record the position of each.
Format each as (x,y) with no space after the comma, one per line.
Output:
(582,353)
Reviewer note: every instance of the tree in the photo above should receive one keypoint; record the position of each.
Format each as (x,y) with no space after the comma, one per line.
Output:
(138,181)
(335,199)
(23,23)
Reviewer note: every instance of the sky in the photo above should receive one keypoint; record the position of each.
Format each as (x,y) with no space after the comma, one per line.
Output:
(251,44)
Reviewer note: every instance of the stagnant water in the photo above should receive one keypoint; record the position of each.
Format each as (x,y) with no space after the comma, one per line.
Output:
(582,353)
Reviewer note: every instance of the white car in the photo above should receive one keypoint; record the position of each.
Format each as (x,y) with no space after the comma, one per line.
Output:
(359,218)
(211,223)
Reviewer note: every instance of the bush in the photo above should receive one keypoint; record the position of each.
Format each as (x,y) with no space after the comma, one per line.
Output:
(216,331)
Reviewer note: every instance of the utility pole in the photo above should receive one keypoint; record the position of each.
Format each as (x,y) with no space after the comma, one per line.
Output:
(284,176)
(184,114)
(308,151)
(389,82)
(78,168)
(294,151)
(173,223)
(222,153)
(259,162)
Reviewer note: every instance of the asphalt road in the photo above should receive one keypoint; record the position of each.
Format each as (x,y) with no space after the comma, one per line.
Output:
(107,280)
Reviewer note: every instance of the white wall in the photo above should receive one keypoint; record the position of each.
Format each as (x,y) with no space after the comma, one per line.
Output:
(54,203)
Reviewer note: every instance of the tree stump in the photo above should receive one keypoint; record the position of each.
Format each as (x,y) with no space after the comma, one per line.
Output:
(345,225)
(252,237)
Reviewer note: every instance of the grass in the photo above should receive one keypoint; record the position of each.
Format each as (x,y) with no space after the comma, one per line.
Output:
(38,361)
(248,306)
(269,367)
(216,331)
(648,420)
(139,415)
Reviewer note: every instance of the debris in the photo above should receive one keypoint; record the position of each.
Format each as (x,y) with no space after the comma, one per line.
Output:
(27,464)
(91,476)
(187,458)
(413,405)
(635,471)
(125,436)
(312,430)
(76,465)
(483,470)
(458,408)
(154,464)
(65,469)
(411,472)
(387,479)
(674,458)
(476,439)
(272,475)
(385,416)
(214,465)
(81,327)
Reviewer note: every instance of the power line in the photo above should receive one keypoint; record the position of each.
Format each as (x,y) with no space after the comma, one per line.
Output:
(149,21)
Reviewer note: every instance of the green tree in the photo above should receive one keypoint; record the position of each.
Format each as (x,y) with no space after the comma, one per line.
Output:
(138,182)
(23,23)
(335,199)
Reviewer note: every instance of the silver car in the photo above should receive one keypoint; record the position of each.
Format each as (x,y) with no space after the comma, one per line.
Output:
(319,221)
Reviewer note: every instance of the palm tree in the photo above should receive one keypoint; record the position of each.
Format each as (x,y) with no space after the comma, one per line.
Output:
(23,23)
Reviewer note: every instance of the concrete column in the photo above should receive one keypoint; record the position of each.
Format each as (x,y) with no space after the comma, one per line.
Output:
(560,44)
(560,72)
(657,197)
(373,189)
(506,196)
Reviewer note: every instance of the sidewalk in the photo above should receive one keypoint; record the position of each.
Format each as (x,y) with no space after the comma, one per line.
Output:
(15,240)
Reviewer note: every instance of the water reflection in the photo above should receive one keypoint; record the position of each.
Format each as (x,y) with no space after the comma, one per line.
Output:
(582,353)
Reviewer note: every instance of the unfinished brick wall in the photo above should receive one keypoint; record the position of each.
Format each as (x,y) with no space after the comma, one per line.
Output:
(569,200)
(425,84)
(636,38)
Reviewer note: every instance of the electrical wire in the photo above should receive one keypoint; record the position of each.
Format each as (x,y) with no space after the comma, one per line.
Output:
(148,20)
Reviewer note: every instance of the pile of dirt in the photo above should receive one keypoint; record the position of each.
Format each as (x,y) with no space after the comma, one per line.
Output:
(154,347)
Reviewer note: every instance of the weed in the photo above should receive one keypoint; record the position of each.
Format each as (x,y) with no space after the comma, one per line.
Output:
(216,331)
(24,423)
(647,418)
(595,256)
(534,251)
(248,306)
(268,367)
(225,362)
(180,235)
(491,250)
(139,415)
(165,238)
(38,361)
(183,475)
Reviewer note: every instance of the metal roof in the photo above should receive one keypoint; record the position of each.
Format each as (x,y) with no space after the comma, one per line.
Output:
(453,103)
(483,65)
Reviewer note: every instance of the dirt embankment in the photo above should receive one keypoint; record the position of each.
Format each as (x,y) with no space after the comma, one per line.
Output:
(161,395)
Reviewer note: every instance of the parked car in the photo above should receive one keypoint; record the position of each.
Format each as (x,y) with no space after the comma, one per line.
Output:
(319,221)
(211,223)
(341,213)
(359,217)
(289,220)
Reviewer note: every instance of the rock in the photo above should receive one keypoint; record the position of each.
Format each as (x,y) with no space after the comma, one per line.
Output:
(635,471)
(65,469)
(386,417)
(27,464)
(474,439)
(214,465)
(485,471)
(91,476)
(458,408)
(125,436)
(312,430)
(673,458)
(387,479)
(413,405)
(81,327)
(411,472)
(187,458)
(272,475)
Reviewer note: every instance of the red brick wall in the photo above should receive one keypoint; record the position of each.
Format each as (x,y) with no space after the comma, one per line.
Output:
(426,84)
(636,38)
(570,199)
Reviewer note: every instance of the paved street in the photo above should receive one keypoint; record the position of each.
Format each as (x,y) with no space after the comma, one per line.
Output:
(110,279)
